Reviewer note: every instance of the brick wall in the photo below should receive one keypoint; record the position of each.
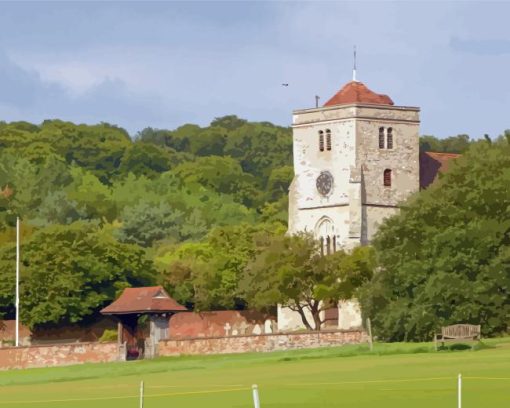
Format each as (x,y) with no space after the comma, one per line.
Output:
(261,343)
(8,332)
(212,324)
(58,334)
(57,355)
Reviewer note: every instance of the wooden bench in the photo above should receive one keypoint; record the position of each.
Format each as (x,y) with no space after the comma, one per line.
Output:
(456,332)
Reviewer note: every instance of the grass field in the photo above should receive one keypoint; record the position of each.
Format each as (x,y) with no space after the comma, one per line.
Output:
(393,375)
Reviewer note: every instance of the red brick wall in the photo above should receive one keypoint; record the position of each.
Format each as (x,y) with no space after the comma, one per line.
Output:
(8,330)
(56,355)
(72,333)
(261,343)
(58,334)
(211,324)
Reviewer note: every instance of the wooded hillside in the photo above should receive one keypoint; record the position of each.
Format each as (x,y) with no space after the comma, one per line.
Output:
(188,208)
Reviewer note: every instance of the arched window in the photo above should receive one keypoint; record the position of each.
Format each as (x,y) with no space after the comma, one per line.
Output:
(381,138)
(387,178)
(325,233)
(328,139)
(389,138)
(321,140)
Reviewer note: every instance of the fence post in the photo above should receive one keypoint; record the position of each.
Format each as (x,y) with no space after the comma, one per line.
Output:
(459,391)
(141,394)
(256,400)
(369,330)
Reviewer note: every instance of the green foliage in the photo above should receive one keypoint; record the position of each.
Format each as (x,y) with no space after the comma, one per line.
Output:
(92,197)
(70,272)
(446,257)
(452,144)
(279,182)
(29,183)
(290,271)
(207,274)
(108,335)
(230,122)
(97,148)
(260,147)
(147,159)
(147,222)
(167,193)
(221,174)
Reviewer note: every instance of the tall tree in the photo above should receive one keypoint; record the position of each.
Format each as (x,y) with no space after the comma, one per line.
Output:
(446,257)
(290,271)
(207,274)
(70,272)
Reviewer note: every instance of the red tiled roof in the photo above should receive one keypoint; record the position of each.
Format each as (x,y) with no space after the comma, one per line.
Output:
(357,92)
(142,300)
(431,164)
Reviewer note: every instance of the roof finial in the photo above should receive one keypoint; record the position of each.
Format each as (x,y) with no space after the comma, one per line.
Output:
(354,66)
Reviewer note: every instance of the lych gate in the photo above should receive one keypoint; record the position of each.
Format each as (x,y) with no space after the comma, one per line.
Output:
(136,339)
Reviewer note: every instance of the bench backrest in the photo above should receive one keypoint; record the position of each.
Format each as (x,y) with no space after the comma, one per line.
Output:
(461,331)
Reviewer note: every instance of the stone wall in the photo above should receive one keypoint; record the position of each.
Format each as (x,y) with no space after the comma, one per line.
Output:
(79,353)
(262,343)
(57,355)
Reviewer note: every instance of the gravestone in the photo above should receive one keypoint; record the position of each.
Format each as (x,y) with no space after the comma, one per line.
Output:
(242,328)
(268,326)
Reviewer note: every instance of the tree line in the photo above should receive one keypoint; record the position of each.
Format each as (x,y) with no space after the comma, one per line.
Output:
(203,212)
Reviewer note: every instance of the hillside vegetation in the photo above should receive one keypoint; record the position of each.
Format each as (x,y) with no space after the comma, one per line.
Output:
(202,211)
(102,211)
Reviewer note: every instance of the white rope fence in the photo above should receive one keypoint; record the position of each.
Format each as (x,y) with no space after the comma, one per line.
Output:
(254,389)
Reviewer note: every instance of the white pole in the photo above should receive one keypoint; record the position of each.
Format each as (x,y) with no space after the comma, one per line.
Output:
(17,281)
(256,400)
(141,394)
(459,392)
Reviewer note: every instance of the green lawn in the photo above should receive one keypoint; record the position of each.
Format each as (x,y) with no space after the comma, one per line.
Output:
(394,375)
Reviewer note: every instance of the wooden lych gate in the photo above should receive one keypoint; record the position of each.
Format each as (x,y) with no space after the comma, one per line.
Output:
(143,320)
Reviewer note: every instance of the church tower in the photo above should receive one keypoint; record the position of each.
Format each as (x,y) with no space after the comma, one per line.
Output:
(355,159)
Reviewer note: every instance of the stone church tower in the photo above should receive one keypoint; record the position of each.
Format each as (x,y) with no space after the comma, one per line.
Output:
(355,159)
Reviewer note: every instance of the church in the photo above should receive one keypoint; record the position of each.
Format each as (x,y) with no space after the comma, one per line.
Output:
(355,159)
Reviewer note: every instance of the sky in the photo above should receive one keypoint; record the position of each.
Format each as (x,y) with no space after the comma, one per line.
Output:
(165,64)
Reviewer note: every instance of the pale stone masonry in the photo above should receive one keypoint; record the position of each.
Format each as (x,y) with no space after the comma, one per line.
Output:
(262,343)
(80,353)
(57,355)
(345,186)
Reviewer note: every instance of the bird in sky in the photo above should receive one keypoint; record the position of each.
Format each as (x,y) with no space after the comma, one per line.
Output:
(285,84)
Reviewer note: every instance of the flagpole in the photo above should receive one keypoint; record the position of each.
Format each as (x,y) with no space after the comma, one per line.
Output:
(17,281)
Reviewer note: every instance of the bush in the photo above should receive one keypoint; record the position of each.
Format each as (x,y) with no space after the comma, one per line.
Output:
(108,335)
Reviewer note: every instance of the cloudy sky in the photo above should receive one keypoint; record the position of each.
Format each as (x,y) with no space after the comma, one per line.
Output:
(166,64)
